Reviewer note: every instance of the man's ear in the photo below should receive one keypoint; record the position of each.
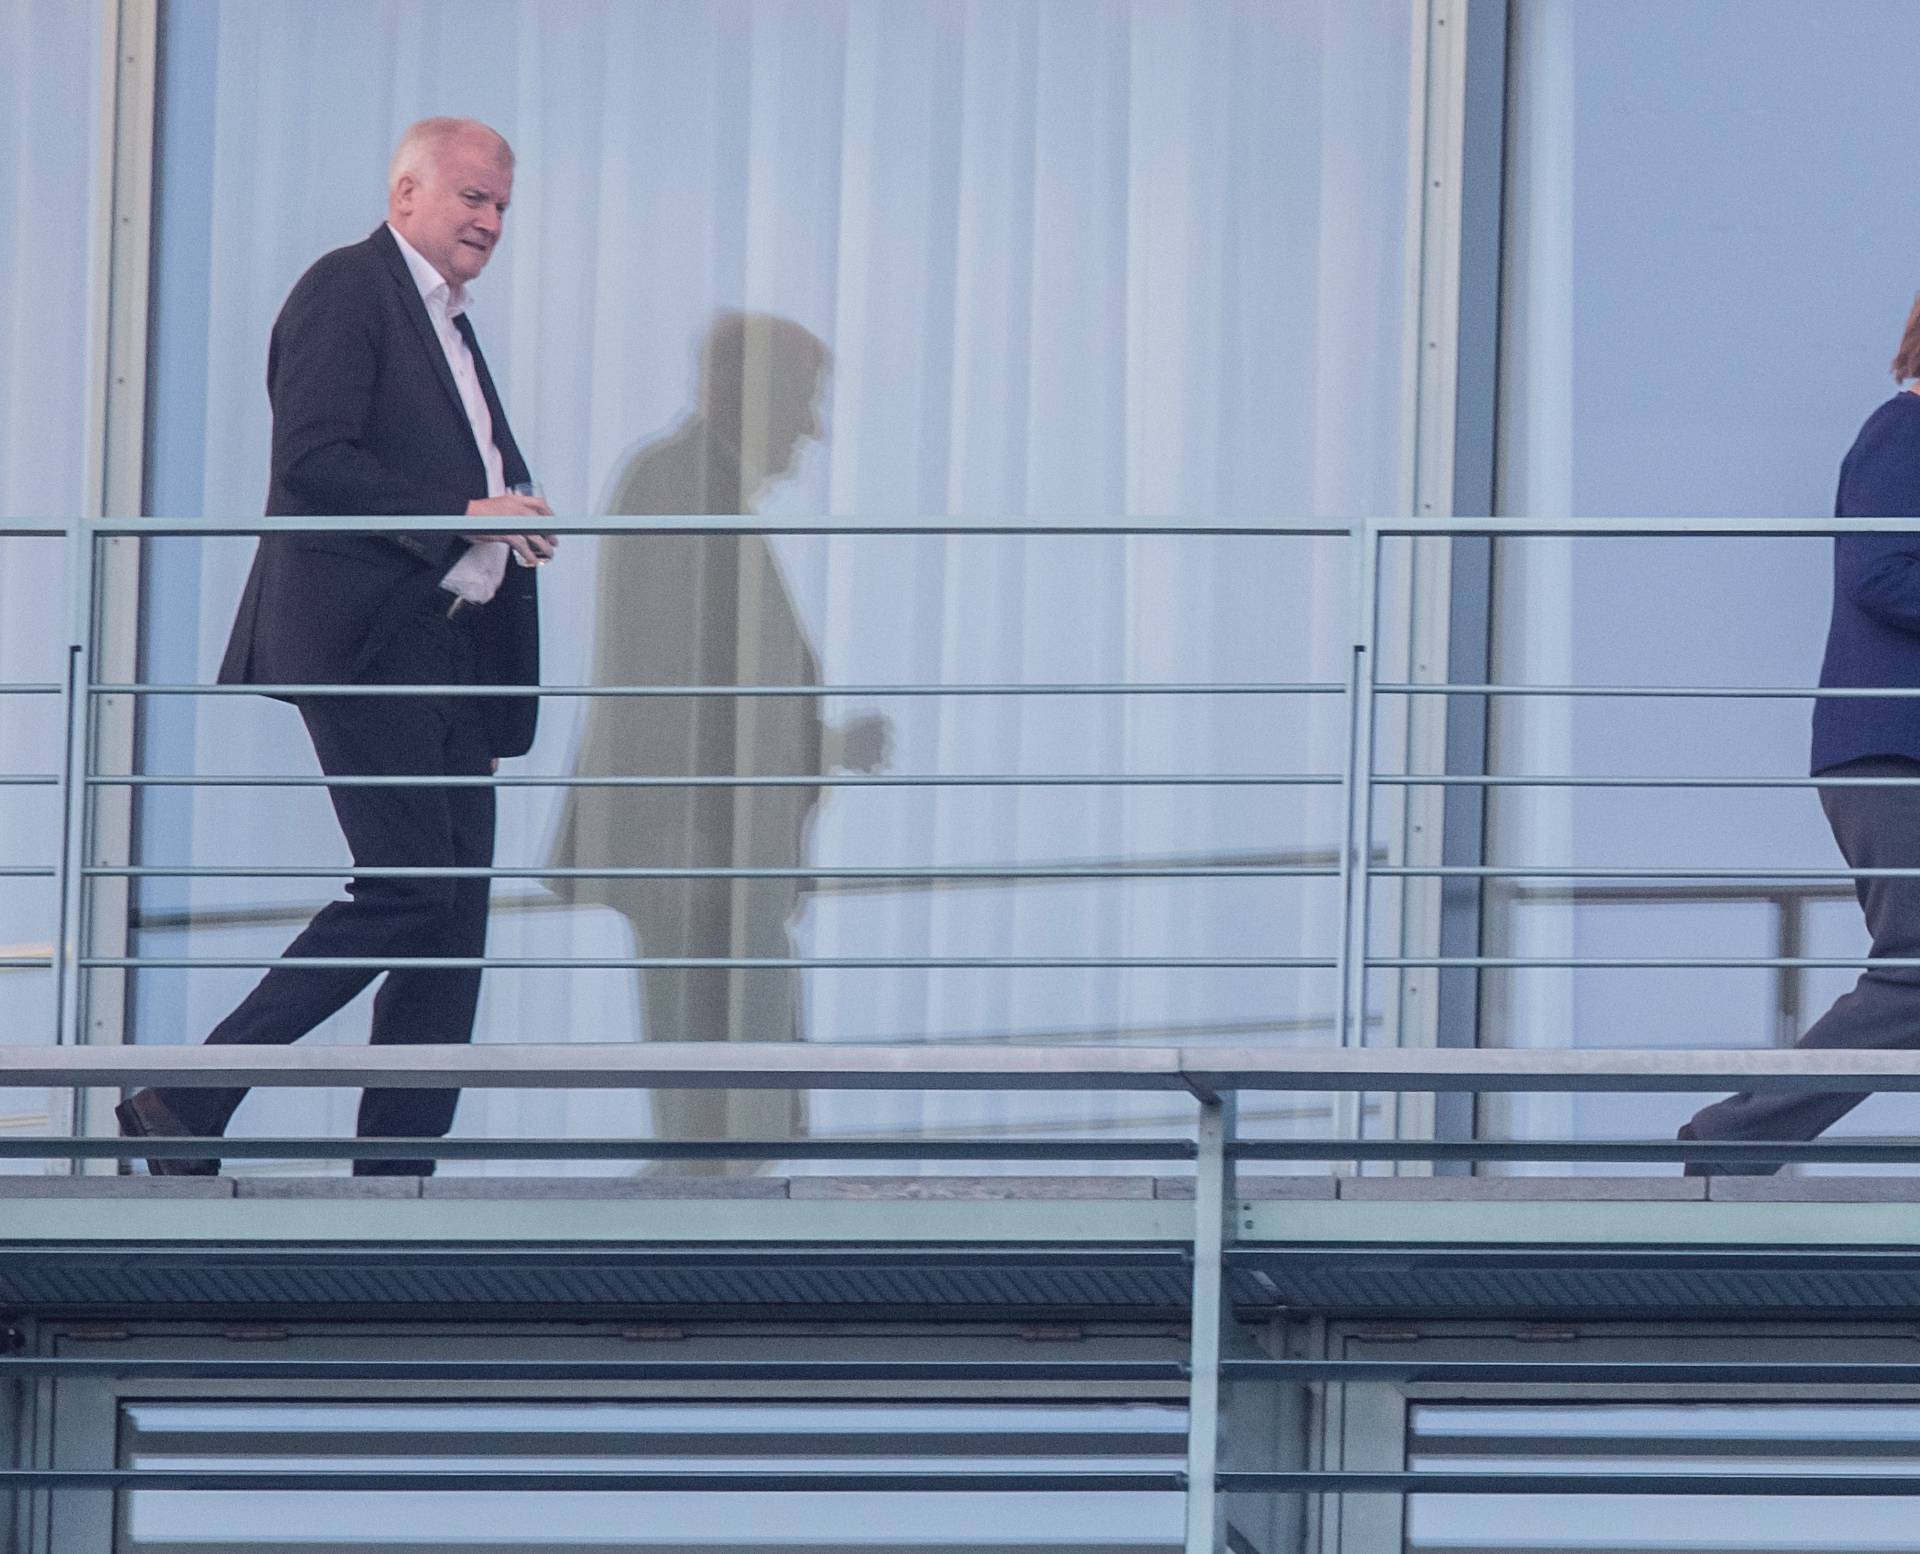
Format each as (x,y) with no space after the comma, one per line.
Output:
(404,190)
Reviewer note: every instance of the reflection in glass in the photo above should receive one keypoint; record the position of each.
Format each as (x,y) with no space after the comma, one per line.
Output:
(696,610)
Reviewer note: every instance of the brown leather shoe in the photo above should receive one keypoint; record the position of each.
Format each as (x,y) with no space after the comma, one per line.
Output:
(144,1115)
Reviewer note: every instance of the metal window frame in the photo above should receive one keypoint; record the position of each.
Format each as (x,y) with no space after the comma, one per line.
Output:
(1374,1435)
(88,1408)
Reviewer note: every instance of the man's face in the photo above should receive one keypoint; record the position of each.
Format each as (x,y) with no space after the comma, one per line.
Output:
(454,215)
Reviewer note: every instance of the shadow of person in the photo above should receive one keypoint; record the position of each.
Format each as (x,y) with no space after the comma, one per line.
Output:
(677,609)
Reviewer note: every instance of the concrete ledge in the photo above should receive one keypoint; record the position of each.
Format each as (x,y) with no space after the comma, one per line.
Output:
(288,1187)
(971,1189)
(1254,1189)
(500,1188)
(1813,1189)
(116,1187)
(1524,1189)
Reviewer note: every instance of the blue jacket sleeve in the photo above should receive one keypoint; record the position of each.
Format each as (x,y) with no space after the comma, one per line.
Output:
(1880,573)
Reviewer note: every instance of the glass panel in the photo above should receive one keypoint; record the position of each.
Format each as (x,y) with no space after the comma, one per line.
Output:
(1758,1439)
(857,259)
(50,64)
(637,1437)
(1632,386)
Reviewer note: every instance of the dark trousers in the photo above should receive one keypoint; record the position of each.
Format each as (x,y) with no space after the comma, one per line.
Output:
(387,919)
(1877,828)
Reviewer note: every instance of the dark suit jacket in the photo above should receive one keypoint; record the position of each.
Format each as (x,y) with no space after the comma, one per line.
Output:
(1874,638)
(367,420)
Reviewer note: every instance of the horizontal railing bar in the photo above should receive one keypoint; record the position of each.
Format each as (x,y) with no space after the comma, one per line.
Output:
(1478,780)
(1770,1485)
(31,688)
(29,780)
(983,963)
(1017,871)
(1730,692)
(620,1065)
(591,1481)
(1392,526)
(959,525)
(1629,528)
(1010,688)
(498,1371)
(1851,1151)
(1201,1070)
(722,962)
(1073,688)
(1729,893)
(1579,1372)
(571,1149)
(793,780)
(1760,877)
(1646,963)
(27,871)
(1168,1481)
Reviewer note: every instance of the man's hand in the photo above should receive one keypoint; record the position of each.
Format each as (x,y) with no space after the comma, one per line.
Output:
(530,550)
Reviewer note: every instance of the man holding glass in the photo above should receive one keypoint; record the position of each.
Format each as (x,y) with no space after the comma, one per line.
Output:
(382,404)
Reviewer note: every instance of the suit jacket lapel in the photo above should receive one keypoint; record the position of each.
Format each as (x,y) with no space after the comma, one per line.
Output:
(512,465)
(416,311)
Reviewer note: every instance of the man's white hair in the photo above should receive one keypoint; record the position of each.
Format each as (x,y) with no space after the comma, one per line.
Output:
(419,151)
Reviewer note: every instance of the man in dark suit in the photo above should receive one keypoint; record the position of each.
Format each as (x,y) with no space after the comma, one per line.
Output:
(382,404)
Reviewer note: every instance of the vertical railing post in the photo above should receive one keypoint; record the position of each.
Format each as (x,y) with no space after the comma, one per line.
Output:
(1356,853)
(1213,1209)
(73,765)
(69,947)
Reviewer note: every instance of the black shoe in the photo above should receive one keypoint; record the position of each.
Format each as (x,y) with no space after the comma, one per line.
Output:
(144,1115)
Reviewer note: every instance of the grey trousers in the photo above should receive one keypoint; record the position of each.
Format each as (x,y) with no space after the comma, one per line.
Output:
(1877,828)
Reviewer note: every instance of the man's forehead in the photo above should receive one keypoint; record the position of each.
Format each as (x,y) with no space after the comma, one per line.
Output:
(477,160)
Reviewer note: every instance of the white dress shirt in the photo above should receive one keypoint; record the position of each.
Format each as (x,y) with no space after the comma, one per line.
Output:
(476,576)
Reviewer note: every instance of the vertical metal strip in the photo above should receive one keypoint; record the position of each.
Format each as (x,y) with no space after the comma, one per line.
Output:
(121,350)
(1213,1206)
(1419,831)
(106,727)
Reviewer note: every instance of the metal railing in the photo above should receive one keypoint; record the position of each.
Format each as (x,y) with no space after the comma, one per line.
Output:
(1357,865)
(1212,1077)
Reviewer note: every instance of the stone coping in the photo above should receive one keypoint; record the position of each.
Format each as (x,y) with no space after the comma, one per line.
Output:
(981,1188)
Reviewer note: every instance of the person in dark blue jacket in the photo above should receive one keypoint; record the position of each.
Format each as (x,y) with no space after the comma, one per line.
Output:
(1874,640)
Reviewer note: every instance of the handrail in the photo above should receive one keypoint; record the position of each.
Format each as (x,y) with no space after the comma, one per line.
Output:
(1352,862)
(1203,1071)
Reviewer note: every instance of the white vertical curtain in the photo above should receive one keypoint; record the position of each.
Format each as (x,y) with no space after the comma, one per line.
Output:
(1079,258)
(50,64)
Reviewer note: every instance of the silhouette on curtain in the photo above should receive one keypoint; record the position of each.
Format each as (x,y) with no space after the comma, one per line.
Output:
(678,609)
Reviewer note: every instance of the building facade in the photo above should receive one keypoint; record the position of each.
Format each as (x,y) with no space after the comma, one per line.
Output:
(1208,604)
